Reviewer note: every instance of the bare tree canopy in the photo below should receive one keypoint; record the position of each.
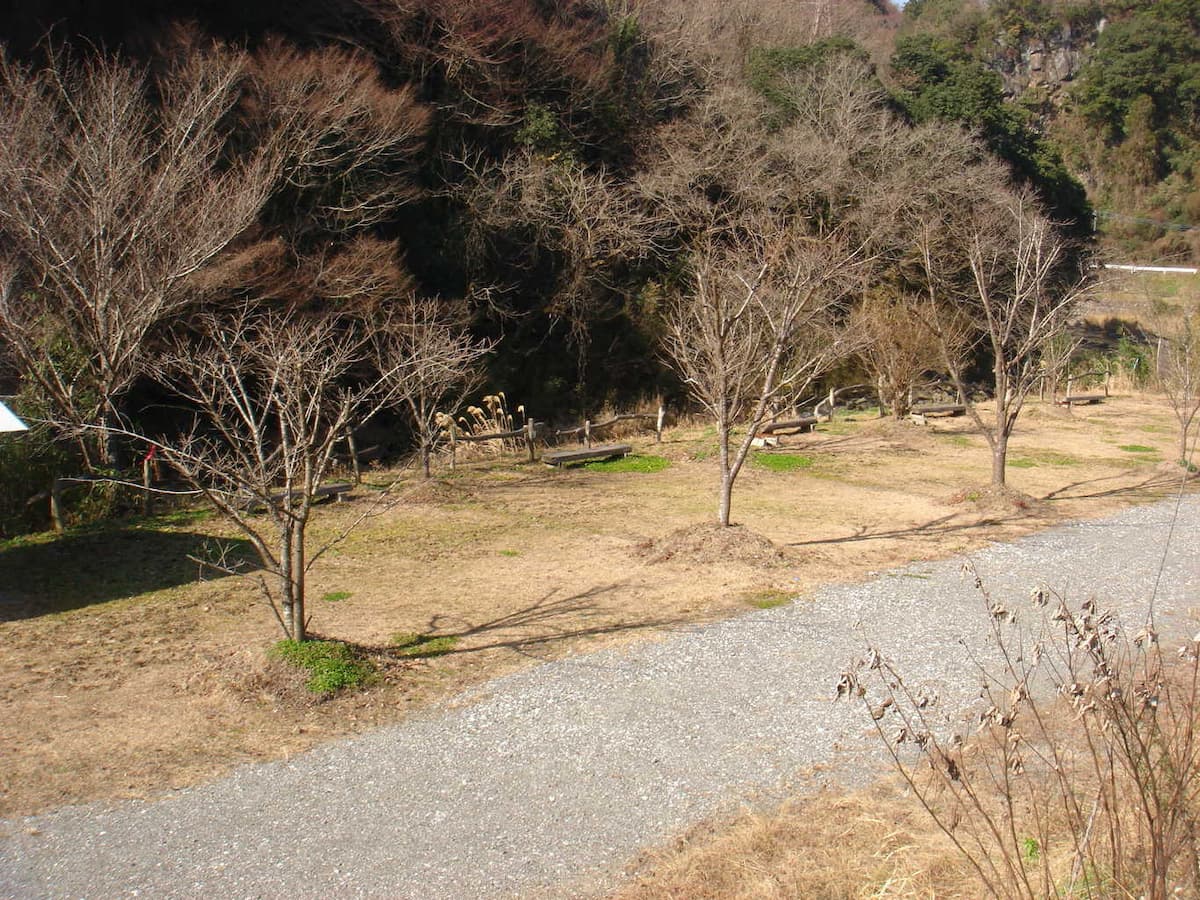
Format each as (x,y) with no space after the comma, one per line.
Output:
(760,323)
(1006,278)
(273,393)
(897,346)
(1177,368)
(348,142)
(429,360)
(109,203)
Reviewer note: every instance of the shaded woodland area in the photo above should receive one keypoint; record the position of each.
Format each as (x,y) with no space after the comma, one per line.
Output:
(548,186)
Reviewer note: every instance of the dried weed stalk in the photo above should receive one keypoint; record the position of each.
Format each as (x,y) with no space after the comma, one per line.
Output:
(1083,776)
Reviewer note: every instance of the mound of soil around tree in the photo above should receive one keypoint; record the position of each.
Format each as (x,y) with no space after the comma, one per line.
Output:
(711,543)
(999,500)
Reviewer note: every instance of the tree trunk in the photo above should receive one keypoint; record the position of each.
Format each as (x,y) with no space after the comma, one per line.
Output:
(299,625)
(425,455)
(112,450)
(726,498)
(352,446)
(999,459)
(287,601)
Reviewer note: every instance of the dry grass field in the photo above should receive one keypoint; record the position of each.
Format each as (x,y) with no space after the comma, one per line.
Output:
(124,675)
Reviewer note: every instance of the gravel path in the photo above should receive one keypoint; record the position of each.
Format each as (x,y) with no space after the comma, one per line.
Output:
(551,779)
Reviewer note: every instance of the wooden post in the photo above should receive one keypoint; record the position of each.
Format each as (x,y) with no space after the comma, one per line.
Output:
(587,433)
(453,446)
(353,448)
(530,430)
(147,497)
(56,511)
(1107,378)
(658,425)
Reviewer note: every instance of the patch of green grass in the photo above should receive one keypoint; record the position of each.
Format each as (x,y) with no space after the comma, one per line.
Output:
(1137,448)
(1020,462)
(335,596)
(956,440)
(510,552)
(632,463)
(1157,429)
(768,599)
(332,665)
(414,645)
(865,412)
(185,516)
(782,462)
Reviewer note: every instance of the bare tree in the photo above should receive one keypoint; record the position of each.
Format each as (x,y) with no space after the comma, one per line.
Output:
(1005,272)
(758,323)
(109,203)
(430,361)
(273,393)
(120,192)
(551,214)
(1055,369)
(898,348)
(721,34)
(349,142)
(1177,368)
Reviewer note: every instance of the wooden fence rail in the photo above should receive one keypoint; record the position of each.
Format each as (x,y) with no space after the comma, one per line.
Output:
(588,428)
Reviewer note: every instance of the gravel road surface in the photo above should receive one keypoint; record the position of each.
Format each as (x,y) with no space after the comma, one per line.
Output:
(550,780)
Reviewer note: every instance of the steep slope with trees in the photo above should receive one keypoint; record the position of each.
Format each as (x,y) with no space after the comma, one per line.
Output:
(1111,85)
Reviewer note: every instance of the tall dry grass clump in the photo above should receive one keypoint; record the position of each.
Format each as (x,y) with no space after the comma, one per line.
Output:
(1083,775)
(872,843)
(492,416)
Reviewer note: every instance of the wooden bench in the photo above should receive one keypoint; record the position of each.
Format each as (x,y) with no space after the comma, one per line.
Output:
(338,491)
(940,409)
(601,451)
(798,426)
(919,413)
(1080,400)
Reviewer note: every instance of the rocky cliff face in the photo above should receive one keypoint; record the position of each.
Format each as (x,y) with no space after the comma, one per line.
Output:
(1048,64)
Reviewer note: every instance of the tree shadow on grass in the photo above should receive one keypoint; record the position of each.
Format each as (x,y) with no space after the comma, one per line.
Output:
(1152,487)
(43,575)
(942,525)
(548,620)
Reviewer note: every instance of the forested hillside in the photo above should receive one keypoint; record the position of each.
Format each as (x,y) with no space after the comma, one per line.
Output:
(543,182)
(1113,85)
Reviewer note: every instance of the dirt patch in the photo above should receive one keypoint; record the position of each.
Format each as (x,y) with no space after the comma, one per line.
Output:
(713,544)
(121,674)
(1173,470)
(435,490)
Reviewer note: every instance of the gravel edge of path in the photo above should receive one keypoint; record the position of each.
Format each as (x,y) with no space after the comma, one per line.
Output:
(548,780)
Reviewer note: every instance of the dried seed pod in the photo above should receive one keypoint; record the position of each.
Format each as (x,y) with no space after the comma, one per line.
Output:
(845,685)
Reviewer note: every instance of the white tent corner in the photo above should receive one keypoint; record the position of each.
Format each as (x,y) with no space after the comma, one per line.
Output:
(9,422)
